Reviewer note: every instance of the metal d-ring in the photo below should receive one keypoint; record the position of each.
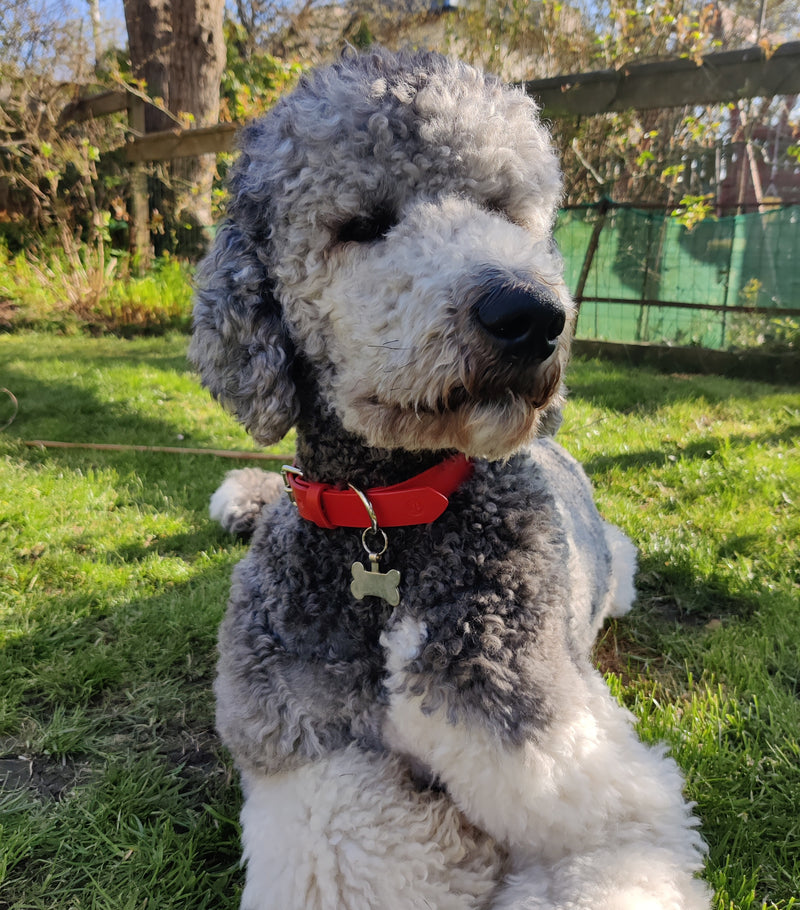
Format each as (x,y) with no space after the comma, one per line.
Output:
(374,555)
(374,529)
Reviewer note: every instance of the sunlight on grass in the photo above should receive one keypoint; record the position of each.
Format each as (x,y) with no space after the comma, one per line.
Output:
(115,580)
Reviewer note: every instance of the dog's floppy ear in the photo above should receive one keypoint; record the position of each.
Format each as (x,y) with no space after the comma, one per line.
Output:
(239,342)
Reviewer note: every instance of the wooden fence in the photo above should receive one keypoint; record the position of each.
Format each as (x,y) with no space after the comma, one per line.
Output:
(719,77)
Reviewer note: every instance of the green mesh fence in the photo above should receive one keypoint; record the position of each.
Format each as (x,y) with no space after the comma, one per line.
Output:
(653,280)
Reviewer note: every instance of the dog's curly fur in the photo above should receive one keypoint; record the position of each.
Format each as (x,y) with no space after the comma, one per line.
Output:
(459,750)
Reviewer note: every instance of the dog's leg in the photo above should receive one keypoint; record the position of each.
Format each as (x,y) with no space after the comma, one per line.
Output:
(621,588)
(352,832)
(238,501)
(590,816)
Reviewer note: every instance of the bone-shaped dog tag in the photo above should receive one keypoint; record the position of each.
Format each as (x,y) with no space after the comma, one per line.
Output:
(375,582)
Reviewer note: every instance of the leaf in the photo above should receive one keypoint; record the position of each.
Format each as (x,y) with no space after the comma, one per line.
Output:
(674,170)
(766,45)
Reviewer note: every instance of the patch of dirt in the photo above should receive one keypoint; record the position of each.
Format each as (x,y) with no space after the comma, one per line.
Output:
(196,753)
(7,312)
(615,652)
(49,778)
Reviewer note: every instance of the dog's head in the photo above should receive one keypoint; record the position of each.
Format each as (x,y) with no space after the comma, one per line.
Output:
(390,225)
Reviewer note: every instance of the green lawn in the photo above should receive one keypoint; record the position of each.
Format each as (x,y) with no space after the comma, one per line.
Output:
(113,581)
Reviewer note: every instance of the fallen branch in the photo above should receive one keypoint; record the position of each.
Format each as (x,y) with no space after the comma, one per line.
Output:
(169,450)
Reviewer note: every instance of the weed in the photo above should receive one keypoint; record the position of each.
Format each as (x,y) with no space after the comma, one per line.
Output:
(93,291)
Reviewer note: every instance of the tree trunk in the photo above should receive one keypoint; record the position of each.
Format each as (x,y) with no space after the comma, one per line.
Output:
(178,48)
(149,24)
(196,65)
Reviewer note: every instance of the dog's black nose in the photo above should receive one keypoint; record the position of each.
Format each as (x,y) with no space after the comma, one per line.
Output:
(522,320)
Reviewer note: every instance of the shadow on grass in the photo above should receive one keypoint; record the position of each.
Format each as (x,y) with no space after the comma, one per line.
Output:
(61,409)
(165,352)
(85,647)
(670,593)
(64,409)
(699,450)
(608,386)
(114,709)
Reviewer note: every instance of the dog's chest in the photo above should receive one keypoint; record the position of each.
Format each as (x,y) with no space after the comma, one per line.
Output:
(484,582)
(483,556)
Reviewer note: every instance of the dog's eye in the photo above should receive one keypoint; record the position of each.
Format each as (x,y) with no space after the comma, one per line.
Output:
(366,228)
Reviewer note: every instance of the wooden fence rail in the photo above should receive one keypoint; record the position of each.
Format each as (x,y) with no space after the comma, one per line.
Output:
(717,78)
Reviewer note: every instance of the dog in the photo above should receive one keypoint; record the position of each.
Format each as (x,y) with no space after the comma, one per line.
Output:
(404,674)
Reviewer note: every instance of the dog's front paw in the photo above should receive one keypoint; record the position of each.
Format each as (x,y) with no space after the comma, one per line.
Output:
(238,502)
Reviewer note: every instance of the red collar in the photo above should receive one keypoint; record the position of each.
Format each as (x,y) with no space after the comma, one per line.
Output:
(416,501)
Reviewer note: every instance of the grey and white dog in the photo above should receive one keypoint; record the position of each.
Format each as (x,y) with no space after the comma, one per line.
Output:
(427,732)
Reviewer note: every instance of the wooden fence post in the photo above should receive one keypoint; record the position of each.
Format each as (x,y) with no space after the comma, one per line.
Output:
(594,240)
(140,202)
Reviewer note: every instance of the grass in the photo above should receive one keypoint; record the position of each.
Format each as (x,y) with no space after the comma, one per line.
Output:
(704,474)
(113,581)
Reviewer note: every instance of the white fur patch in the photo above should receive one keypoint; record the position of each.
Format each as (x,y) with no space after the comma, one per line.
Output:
(403,642)
(242,495)
(617,877)
(592,817)
(225,494)
(623,571)
(351,833)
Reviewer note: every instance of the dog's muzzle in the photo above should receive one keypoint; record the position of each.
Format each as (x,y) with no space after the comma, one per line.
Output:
(521,321)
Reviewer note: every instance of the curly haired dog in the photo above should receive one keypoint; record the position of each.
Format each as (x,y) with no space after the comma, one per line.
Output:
(404,675)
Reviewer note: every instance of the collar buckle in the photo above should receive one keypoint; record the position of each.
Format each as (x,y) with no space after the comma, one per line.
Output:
(295,472)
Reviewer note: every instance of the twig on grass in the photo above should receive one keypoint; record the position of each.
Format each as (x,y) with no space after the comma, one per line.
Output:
(15,404)
(169,450)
